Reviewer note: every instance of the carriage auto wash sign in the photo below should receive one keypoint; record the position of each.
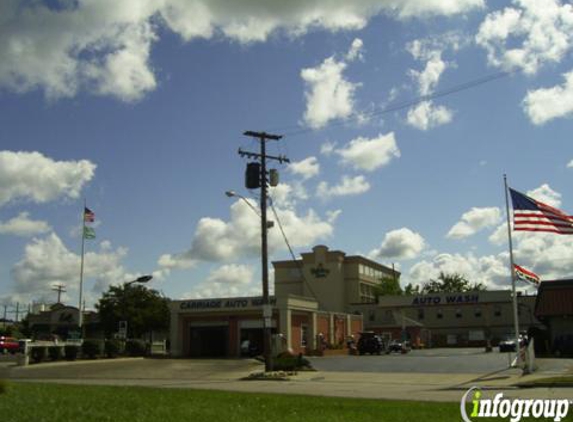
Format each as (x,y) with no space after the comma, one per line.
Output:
(238,303)
(452,299)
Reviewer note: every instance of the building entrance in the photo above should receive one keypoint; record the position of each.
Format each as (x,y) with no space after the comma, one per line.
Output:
(209,342)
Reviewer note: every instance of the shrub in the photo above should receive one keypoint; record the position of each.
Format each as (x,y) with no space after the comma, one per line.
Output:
(112,348)
(71,352)
(135,347)
(38,354)
(55,352)
(290,363)
(91,349)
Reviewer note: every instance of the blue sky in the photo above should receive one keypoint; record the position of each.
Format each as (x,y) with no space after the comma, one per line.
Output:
(140,109)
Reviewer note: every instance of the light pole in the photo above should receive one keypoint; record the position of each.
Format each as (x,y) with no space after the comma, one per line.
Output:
(142,280)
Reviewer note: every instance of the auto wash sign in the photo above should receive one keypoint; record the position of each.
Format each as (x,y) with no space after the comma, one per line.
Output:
(222,304)
(448,299)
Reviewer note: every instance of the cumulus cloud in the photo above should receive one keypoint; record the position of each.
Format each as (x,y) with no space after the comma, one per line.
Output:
(475,220)
(306,168)
(47,261)
(427,116)
(545,104)
(545,194)
(227,281)
(104,46)
(400,244)
(33,176)
(370,154)
(328,94)
(22,225)
(490,270)
(327,148)
(346,186)
(216,240)
(356,51)
(527,35)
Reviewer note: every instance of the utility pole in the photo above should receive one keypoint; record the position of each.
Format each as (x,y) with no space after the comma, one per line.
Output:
(60,288)
(267,308)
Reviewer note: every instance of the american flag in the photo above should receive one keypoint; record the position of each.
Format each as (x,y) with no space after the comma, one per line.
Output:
(89,215)
(534,216)
(526,275)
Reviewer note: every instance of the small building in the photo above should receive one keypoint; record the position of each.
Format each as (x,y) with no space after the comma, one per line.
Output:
(554,307)
(62,320)
(449,319)
(311,308)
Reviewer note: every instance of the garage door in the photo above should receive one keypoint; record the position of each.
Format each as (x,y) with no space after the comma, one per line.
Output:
(209,342)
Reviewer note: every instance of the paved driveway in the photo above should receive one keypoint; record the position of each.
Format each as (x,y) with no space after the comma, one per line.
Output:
(430,361)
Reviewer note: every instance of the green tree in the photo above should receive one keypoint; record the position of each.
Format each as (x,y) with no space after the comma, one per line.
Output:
(388,287)
(451,283)
(411,290)
(144,309)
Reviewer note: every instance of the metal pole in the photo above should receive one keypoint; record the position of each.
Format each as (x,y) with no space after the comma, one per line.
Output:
(512,269)
(80,313)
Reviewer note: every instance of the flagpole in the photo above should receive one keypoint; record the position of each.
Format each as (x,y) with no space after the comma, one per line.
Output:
(512,271)
(80,316)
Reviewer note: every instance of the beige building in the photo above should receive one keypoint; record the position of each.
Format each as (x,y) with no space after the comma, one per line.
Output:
(449,319)
(313,296)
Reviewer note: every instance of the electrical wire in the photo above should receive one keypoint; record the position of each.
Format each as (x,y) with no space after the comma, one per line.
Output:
(299,267)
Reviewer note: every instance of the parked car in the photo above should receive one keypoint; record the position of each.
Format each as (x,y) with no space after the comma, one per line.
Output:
(370,342)
(9,345)
(508,344)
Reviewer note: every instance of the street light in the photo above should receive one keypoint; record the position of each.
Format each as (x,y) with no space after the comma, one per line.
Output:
(123,324)
(233,194)
(142,279)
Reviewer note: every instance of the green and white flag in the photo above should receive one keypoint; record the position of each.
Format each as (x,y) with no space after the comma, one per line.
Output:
(89,233)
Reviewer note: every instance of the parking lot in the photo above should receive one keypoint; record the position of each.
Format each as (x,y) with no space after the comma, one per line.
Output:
(430,361)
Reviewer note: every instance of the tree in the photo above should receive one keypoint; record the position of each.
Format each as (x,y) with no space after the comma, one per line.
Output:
(388,287)
(411,290)
(451,283)
(144,309)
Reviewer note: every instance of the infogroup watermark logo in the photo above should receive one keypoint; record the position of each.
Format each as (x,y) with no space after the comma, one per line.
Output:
(514,409)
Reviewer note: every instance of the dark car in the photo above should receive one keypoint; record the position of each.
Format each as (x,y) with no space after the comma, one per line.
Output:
(9,345)
(394,346)
(369,342)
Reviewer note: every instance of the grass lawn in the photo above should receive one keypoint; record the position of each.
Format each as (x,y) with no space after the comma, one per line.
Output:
(52,402)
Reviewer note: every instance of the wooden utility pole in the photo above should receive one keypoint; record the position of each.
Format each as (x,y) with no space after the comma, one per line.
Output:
(263,137)
(60,288)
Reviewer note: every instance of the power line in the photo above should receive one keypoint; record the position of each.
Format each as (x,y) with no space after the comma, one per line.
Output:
(404,104)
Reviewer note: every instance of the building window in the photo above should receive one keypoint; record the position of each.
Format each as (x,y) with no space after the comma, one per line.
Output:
(439,314)
(420,314)
(458,313)
(303,335)
(477,313)
(497,311)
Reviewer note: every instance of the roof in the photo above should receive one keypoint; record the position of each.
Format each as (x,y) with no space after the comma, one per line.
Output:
(554,298)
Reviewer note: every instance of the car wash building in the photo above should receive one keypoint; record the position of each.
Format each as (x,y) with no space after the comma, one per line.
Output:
(312,308)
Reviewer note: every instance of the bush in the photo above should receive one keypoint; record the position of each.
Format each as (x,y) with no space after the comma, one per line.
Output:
(286,362)
(91,349)
(135,347)
(55,352)
(71,352)
(112,348)
(38,354)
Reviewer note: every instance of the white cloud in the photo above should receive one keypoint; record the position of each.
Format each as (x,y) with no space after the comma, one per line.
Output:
(306,168)
(370,154)
(545,194)
(545,104)
(33,176)
(400,244)
(327,148)
(216,240)
(491,270)
(47,261)
(104,46)
(527,35)
(227,281)
(475,220)
(347,186)
(428,78)
(328,95)
(22,225)
(427,116)
(356,51)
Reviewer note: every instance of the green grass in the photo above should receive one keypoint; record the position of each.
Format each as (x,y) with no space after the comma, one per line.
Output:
(564,381)
(62,403)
